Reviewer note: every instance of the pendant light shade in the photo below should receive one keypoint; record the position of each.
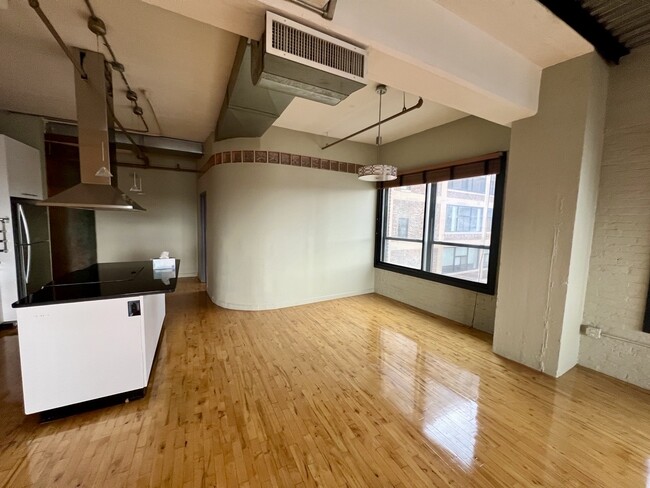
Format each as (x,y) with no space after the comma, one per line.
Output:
(378,172)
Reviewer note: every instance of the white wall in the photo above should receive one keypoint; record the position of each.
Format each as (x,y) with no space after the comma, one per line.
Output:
(169,224)
(619,271)
(456,140)
(549,210)
(463,306)
(291,141)
(463,138)
(280,235)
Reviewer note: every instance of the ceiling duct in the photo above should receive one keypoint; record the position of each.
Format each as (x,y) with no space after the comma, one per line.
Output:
(247,110)
(94,96)
(152,144)
(304,62)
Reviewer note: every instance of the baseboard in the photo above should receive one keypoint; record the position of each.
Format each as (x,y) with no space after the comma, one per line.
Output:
(190,274)
(296,303)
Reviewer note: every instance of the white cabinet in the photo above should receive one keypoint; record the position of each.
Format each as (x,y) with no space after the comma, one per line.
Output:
(80,351)
(153,313)
(8,285)
(22,164)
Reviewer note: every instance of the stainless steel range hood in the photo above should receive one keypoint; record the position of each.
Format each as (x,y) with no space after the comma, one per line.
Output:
(95,125)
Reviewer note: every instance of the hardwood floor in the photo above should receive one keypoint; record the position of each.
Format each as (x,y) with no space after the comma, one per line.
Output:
(361,391)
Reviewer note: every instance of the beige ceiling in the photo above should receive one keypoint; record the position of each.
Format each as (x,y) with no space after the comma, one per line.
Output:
(181,52)
(360,110)
(526,25)
(183,65)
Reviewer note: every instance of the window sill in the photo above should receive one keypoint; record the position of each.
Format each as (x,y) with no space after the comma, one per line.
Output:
(485,288)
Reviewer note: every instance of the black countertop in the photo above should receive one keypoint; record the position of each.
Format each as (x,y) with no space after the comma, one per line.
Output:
(102,281)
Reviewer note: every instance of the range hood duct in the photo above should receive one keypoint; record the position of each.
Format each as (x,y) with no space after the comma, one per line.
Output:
(93,94)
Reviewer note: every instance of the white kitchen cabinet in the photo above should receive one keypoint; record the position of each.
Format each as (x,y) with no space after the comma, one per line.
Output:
(80,351)
(153,313)
(20,176)
(8,285)
(23,166)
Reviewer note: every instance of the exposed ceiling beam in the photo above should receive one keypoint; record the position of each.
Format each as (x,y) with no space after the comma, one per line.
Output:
(580,20)
(430,48)
(453,62)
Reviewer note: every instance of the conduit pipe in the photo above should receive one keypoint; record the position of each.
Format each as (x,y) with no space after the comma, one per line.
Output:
(77,65)
(419,103)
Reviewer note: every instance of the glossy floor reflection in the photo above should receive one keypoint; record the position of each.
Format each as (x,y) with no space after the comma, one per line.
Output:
(361,391)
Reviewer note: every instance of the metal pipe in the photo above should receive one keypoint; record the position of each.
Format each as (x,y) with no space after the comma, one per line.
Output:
(132,165)
(61,120)
(167,168)
(308,6)
(140,154)
(624,339)
(77,65)
(403,112)
(153,112)
(180,147)
(35,5)
(102,33)
(329,13)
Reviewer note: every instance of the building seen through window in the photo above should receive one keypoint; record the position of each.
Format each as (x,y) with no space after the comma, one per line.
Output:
(443,228)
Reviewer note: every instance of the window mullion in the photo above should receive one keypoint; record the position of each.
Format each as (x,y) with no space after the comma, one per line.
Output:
(384,221)
(430,211)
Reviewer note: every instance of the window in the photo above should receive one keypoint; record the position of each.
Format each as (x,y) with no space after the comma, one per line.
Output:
(403,242)
(403,227)
(473,185)
(445,231)
(464,219)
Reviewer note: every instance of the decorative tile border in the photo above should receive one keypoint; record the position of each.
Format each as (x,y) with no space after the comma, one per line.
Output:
(275,157)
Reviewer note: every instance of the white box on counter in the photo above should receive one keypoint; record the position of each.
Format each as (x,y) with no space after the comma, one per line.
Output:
(164,263)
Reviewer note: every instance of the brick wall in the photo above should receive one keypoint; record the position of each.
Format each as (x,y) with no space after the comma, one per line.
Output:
(620,261)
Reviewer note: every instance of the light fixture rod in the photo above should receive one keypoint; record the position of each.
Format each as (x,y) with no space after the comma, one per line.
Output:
(381,89)
(399,114)
(327,12)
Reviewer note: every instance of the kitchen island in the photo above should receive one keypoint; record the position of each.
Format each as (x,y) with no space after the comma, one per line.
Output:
(92,334)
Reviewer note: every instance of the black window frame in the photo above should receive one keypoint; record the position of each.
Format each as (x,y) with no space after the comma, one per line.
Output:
(488,288)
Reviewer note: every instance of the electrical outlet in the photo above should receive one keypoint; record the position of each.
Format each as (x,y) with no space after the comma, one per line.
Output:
(593,331)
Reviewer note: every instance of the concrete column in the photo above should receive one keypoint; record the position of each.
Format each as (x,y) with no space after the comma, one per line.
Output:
(550,205)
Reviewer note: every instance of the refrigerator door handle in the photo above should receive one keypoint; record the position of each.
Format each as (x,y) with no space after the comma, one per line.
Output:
(22,279)
(23,221)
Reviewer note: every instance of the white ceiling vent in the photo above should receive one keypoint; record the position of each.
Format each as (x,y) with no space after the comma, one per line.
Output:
(304,62)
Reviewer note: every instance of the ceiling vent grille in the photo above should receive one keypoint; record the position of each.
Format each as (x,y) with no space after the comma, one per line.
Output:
(303,44)
(300,61)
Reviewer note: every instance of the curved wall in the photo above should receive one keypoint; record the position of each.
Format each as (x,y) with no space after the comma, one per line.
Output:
(280,235)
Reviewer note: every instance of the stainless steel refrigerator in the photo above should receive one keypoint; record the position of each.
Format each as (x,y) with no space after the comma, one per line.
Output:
(32,241)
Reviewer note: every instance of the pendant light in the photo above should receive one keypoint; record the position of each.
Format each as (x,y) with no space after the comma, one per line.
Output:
(378,172)
(137,184)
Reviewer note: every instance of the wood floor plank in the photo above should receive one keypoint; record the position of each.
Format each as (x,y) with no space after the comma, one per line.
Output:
(355,392)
